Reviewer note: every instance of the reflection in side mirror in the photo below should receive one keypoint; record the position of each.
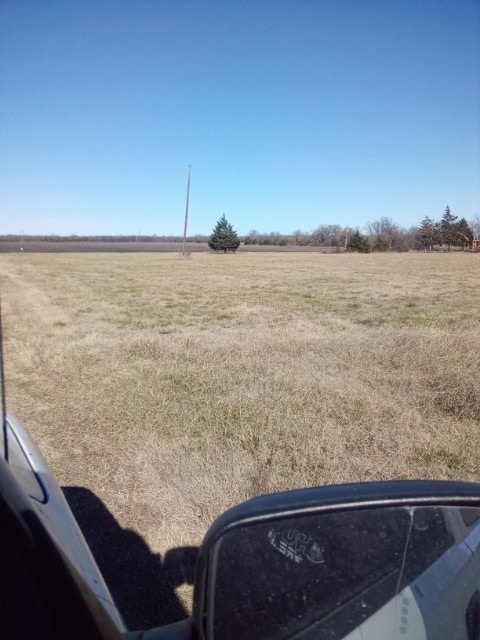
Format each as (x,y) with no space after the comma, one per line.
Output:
(360,574)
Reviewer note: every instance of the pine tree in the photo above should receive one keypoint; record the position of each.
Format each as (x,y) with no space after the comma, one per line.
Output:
(427,234)
(447,229)
(359,243)
(464,233)
(224,238)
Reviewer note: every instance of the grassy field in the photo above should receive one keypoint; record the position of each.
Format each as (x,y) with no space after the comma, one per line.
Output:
(175,388)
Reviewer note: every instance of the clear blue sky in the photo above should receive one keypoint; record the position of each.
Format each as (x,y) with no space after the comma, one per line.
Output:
(291,113)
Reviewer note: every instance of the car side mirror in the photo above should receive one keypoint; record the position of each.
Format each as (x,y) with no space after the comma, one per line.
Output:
(364,561)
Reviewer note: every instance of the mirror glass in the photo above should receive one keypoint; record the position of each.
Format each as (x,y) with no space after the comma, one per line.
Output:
(359,574)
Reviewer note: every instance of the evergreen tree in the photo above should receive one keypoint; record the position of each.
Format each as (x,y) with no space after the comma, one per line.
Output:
(447,229)
(427,234)
(464,233)
(224,238)
(359,243)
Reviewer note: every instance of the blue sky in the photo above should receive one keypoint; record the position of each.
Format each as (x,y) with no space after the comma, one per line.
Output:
(291,113)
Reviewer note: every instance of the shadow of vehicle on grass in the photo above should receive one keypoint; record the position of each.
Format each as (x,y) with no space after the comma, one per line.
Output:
(142,586)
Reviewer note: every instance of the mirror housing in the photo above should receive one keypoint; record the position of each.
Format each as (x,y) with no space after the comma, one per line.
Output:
(270,537)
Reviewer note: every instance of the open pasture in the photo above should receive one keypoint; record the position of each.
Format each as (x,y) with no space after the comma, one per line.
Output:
(173,388)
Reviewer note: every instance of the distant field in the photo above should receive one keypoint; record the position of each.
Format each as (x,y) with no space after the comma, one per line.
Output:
(138,247)
(173,388)
(99,247)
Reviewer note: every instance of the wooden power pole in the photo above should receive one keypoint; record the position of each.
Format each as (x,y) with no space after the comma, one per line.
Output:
(186,212)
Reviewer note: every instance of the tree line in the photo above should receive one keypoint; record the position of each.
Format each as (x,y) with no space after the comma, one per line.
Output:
(17,237)
(382,235)
(379,235)
(449,232)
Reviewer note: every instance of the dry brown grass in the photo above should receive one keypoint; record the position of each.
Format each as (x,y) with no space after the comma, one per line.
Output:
(175,388)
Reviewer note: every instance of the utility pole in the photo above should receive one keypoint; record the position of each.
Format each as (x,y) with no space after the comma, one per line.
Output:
(186,212)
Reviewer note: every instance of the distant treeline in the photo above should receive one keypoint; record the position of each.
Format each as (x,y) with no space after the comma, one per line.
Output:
(383,235)
(380,235)
(12,237)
